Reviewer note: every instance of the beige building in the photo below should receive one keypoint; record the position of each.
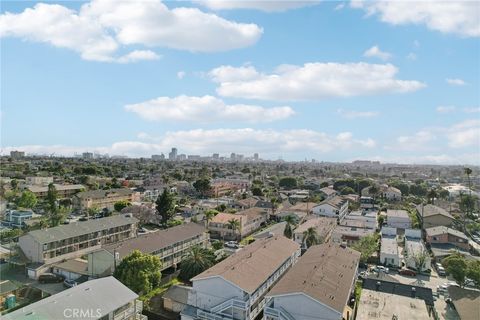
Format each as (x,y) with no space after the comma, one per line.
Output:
(76,239)
(250,220)
(64,191)
(101,199)
(170,245)
(434,216)
(322,225)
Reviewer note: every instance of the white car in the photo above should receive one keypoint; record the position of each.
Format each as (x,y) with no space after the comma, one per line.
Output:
(231,244)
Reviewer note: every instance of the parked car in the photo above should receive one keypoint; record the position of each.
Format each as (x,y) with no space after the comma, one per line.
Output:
(381,269)
(440,270)
(69,283)
(231,244)
(407,272)
(50,278)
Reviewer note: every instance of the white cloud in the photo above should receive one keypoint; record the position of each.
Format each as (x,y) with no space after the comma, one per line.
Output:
(455,82)
(351,114)
(458,17)
(199,141)
(100,27)
(438,159)
(472,110)
(262,5)
(206,109)
(339,6)
(181,74)
(418,141)
(312,81)
(375,52)
(446,109)
(412,56)
(464,134)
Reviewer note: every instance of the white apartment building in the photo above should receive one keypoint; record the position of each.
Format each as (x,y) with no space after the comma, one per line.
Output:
(236,287)
(336,207)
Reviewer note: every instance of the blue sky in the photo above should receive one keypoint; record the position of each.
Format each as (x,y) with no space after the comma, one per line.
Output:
(334,81)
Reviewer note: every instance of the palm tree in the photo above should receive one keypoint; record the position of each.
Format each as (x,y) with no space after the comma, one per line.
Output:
(195,261)
(234,225)
(432,194)
(209,214)
(468,172)
(310,237)
(288,232)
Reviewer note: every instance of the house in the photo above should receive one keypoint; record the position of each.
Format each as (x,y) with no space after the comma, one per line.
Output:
(101,199)
(300,210)
(389,252)
(64,191)
(434,216)
(235,288)
(350,235)
(398,219)
(72,269)
(328,192)
(444,235)
(386,300)
(170,245)
(322,225)
(247,203)
(87,300)
(76,239)
(415,254)
(38,181)
(250,220)
(466,302)
(336,207)
(391,194)
(321,283)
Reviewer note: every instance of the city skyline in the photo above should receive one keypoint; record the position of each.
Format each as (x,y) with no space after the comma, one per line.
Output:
(342,81)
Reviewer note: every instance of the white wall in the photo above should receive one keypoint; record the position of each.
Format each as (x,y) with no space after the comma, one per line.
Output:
(210,292)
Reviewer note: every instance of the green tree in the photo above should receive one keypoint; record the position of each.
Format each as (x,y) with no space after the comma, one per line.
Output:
(420,260)
(347,190)
(119,205)
(288,231)
(235,225)
(202,186)
(166,205)
(209,214)
(366,246)
(431,196)
(456,265)
(9,234)
(473,271)
(27,200)
(57,216)
(195,261)
(52,197)
(310,237)
(324,184)
(257,191)
(288,182)
(14,184)
(139,271)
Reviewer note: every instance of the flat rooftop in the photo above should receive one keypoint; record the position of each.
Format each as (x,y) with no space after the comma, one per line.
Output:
(389,245)
(380,305)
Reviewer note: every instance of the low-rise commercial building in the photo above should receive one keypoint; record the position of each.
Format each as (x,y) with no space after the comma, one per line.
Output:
(236,287)
(105,299)
(17,218)
(320,284)
(170,245)
(76,239)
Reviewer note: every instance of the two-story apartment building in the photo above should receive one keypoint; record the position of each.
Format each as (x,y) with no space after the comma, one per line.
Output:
(76,239)
(101,199)
(236,287)
(102,299)
(319,286)
(249,220)
(336,207)
(415,253)
(434,216)
(444,235)
(170,245)
(322,225)
(64,191)
(398,219)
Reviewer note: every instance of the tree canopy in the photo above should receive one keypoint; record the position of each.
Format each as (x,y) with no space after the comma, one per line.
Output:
(166,205)
(288,182)
(140,272)
(366,246)
(195,261)
(202,186)
(27,200)
(119,205)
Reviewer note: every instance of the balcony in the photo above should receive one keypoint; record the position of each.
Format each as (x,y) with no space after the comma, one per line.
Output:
(277,313)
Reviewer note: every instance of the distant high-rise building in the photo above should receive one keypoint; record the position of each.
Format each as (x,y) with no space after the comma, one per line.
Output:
(181,157)
(193,157)
(215,156)
(255,156)
(158,157)
(17,154)
(173,154)
(87,155)
(233,156)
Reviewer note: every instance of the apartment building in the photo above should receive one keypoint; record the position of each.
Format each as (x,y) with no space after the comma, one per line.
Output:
(104,299)
(64,191)
(236,287)
(38,181)
(336,207)
(389,251)
(444,235)
(170,245)
(250,220)
(227,186)
(76,239)
(101,199)
(398,219)
(322,225)
(434,216)
(415,254)
(320,284)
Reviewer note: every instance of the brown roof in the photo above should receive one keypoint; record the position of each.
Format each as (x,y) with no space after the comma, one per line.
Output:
(431,210)
(79,266)
(323,225)
(466,302)
(157,240)
(248,202)
(302,206)
(252,213)
(223,217)
(251,266)
(325,273)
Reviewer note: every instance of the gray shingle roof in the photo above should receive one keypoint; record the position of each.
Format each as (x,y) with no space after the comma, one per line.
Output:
(79,228)
(105,294)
